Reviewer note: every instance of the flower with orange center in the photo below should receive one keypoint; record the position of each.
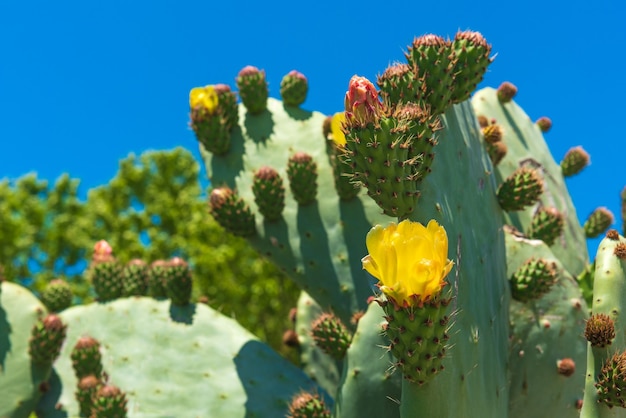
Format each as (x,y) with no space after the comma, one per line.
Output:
(409,259)
(362,103)
(203,97)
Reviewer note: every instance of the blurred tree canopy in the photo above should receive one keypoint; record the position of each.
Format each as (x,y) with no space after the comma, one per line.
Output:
(152,209)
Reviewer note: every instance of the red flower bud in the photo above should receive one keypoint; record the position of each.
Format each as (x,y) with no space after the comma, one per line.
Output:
(362,103)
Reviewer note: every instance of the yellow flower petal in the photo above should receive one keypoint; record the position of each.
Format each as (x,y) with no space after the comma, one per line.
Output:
(409,259)
(205,97)
(336,128)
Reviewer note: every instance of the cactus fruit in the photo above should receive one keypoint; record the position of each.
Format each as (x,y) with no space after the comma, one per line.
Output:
(105,273)
(213,116)
(269,193)
(544,123)
(46,340)
(612,381)
(86,358)
(85,392)
(506,92)
(435,61)
(547,225)
(398,84)
(231,212)
(135,278)
(520,189)
(531,280)
(109,402)
(600,330)
(178,283)
(575,160)
(253,89)
(472,54)
(307,405)
(331,335)
(57,295)
(156,279)
(293,88)
(302,174)
(598,222)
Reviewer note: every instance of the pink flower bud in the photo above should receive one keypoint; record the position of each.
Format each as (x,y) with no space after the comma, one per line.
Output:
(102,248)
(362,103)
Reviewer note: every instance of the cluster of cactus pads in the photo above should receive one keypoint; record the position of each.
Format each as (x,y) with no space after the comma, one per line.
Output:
(515,323)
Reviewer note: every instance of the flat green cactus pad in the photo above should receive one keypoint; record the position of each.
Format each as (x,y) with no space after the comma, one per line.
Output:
(527,148)
(20,381)
(319,245)
(177,362)
(543,332)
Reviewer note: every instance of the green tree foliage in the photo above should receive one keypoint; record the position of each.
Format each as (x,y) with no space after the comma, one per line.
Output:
(154,208)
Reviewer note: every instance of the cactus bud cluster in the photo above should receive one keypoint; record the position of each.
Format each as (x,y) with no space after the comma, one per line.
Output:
(496,148)
(532,279)
(105,273)
(521,189)
(506,92)
(598,222)
(57,296)
(293,88)
(302,174)
(230,211)
(213,116)
(575,160)
(611,383)
(600,330)
(307,405)
(135,278)
(253,89)
(331,335)
(86,358)
(269,193)
(47,337)
(547,225)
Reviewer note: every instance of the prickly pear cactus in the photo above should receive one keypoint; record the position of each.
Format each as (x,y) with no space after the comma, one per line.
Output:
(176,361)
(22,382)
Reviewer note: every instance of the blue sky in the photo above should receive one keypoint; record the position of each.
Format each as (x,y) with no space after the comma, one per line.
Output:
(83,84)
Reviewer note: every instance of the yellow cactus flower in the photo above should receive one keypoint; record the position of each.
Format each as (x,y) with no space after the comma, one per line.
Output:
(336,123)
(409,259)
(205,97)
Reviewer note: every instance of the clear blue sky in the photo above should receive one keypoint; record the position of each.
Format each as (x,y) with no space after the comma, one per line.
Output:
(83,84)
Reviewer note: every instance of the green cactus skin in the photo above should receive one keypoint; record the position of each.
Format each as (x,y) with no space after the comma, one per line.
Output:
(21,380)
(544,332)
(269,193)
(253,89)
(520,190)
(293,88)
(342,173)
(585,282)
(302,174)
(598,222)
(178,282)
(435,60)
(86,358)
(57,295)
(609,298)
(369,387)
(575,160)
(472,53)
(547,225)
(231,212)
(207,373)
(331,335)
(528,148)
(532,279)
(85,391)
(418,338)
(623,198)
(156,279)
(47,337)
(106,277)
(307,405)
(109,402)
(135,278)
(317,364)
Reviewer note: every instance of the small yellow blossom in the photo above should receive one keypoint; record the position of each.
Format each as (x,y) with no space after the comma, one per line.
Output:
(409,259)
(336,128)
(205,97)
